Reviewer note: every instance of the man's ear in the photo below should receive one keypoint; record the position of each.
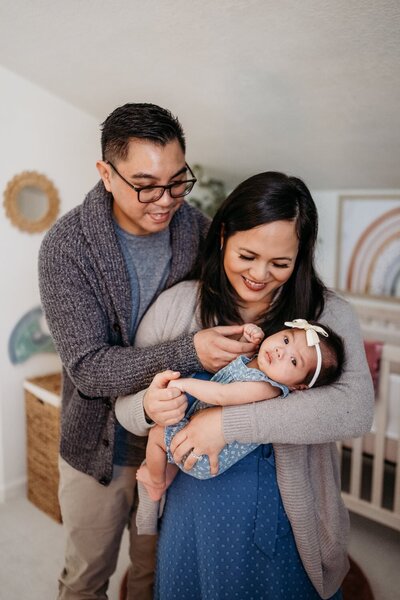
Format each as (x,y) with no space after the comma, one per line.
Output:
(299,386)
(104,170)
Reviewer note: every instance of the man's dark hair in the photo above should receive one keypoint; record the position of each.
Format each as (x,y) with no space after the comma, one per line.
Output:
(140,120)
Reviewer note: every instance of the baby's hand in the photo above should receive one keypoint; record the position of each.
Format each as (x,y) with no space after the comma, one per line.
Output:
(252,333)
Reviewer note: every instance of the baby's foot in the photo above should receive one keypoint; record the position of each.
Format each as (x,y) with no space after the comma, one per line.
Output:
(154,490)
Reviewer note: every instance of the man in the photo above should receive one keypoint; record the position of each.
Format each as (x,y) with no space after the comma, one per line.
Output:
(100,267)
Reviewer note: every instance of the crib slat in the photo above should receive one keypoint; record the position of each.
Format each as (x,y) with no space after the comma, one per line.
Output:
(339,447)
(396,507)
(381,416)
(356,467)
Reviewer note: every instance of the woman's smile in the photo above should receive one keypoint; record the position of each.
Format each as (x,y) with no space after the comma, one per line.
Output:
(255,286)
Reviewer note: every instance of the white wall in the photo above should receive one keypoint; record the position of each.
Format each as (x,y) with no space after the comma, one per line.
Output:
(42,133)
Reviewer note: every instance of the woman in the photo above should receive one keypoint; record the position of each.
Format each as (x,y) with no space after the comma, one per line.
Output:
(273,526)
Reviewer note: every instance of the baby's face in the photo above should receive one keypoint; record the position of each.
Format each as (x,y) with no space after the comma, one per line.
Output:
(286,358)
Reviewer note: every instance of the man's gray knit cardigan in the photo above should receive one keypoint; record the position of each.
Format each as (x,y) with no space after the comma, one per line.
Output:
(85,292)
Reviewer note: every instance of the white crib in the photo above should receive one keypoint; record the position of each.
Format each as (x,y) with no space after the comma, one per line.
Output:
(372,463)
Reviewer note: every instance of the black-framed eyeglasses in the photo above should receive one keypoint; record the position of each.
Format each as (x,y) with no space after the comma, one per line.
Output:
(152,193)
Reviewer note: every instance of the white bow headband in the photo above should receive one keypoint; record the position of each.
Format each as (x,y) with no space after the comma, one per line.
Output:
(312,332)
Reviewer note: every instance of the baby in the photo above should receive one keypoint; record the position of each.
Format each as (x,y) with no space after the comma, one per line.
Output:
(295,358)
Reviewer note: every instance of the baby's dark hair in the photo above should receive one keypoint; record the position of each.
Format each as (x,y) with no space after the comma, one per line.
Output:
(333,357)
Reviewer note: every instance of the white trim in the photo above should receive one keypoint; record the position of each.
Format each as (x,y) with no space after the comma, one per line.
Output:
(42,394)
(13,490)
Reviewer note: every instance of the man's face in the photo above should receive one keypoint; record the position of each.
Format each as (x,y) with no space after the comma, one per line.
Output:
(147,164)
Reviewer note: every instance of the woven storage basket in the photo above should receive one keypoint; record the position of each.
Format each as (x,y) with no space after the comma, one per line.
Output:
(43,423)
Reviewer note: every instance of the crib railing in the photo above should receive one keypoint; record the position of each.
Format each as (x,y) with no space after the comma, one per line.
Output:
(361,451)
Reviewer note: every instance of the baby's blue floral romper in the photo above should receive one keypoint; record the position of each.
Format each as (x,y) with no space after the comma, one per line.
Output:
(236,370)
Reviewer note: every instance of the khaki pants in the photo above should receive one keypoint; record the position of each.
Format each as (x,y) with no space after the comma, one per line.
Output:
(94,518)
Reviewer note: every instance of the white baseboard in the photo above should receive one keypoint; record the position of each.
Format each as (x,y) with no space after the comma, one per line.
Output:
(13,490)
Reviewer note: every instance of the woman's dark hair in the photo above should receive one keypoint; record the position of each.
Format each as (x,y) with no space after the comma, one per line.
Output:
(140,120)
(261,199)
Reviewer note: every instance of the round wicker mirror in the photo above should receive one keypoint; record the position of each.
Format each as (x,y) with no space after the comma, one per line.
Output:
(31,201)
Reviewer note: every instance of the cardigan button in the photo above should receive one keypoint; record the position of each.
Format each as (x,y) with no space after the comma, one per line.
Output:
(105,443)
(104,480)
(117,328)
(108,404)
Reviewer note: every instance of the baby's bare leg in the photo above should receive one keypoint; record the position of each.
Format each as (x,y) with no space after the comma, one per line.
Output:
(156,475)
(152,474)
(156,455)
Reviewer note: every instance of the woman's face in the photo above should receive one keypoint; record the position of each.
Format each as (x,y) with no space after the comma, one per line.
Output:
(259,261)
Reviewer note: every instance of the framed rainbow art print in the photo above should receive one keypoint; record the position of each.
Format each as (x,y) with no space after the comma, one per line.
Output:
(368,248)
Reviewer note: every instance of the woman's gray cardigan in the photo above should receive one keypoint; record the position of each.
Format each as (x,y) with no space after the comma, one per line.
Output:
(86,296)
(303,429)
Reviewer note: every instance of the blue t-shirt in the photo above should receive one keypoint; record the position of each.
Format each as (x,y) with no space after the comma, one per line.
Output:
(148,262)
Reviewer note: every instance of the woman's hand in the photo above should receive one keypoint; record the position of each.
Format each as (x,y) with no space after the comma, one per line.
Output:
(164,405)
(203,435)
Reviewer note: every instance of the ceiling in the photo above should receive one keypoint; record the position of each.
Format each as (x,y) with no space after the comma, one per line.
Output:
(311,88)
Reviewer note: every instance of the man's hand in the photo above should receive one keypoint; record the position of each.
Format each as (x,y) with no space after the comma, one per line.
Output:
(203,435)
(164,405)
(216,348)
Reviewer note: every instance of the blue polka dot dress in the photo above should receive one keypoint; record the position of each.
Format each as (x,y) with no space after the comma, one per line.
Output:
(229,538)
